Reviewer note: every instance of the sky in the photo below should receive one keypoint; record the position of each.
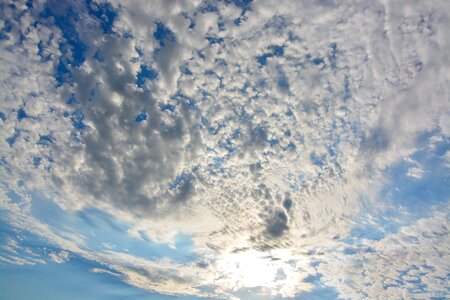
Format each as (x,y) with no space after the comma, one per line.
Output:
(230,149)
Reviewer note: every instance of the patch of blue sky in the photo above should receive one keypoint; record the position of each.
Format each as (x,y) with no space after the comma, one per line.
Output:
(163,34)
(207,7)
(18,13)
(221,62)
(13,196)
(229,146)
(418,195)
(287,133)
(244,4)
(238,21)
(4,164)
(320,291)
(184,69)
(205,121)
(216,165)
(72,279)
(41,52)
(179,97)
(262,59)
(29,4)
(21,114)
(37,161)
(221,25)
(98,56)
(62,74)
(317,61)
(179,180)
(28,246)
(77,120)
(45,140)
(289,113)
(104,13)
(168,107)
(141,117)
(128,35)
(274,51)
(210,72)
(12,139)
(192,22)
(139,51)
(214,40)
(201,54)
(291,146)
(6,230)
(273,142)
(66,17)
(72,100)
(419,286)
(214,130)
(7,27)
(287,203)
(102,231)
(374,231)
(145,73)
(318,160)
(283,83)
(191,103)
(236,134)
(75,136)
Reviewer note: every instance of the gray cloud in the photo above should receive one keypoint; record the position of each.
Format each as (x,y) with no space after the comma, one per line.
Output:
(277,224)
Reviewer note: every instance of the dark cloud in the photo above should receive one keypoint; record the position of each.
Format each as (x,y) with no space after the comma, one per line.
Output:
(277,224)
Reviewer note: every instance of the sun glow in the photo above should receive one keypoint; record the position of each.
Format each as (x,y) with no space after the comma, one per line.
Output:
(251,269)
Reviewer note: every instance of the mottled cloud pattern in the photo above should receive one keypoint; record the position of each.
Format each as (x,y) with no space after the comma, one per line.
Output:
(291,139)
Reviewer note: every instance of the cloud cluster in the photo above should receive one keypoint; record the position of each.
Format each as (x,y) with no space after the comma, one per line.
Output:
(254,127)
(411,263)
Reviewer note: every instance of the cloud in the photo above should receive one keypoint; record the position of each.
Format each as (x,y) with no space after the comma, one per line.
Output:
(14,253)
(59,257)
(415,172)
(262,129)
(412,262)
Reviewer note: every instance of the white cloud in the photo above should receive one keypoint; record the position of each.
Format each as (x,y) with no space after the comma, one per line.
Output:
(247,128)
(59,257)
(411,263)
(415,172)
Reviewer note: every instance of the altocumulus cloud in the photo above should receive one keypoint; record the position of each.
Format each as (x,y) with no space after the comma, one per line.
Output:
(273,134)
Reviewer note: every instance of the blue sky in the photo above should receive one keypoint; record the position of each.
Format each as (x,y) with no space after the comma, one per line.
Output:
(70,280)
(224,149)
